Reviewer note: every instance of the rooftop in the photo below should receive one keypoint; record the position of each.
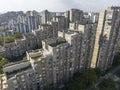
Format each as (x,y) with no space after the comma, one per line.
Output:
(55,41)
(12,74)
(14,63)
(37,58)
(72,32)
(36,54)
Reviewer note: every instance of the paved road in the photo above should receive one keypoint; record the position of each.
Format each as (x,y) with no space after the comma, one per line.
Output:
(104,77)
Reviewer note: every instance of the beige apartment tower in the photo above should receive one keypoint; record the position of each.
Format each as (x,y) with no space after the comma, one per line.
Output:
(107,36)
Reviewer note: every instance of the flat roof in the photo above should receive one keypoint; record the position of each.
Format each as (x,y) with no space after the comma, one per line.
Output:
(72,32)
(56,41)
(14,63)
(36,54)
(12,74)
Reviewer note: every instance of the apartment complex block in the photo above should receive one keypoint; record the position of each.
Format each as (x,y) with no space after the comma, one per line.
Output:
(49,67)
(52,66)
(64,51)
(75,15)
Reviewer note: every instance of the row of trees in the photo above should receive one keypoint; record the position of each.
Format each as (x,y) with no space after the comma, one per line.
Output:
(81,81)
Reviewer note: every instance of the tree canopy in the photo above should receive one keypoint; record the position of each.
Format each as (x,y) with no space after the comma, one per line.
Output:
(107,84)
(11,38)
(82,80)
(3,61)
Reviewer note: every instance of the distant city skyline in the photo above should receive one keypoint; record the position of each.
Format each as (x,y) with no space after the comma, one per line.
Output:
(55,5)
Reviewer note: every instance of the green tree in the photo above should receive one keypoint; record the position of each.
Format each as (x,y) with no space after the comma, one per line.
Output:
(11,38)
(90,77)
(3,61)
(98,72)
(107,84)
(18,35)
(116,60)
(8,39)
(81,81)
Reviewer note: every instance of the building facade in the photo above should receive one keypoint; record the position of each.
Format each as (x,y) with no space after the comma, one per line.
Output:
(107,37)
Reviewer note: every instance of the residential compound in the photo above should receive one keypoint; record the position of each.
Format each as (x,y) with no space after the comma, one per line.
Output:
(29,41)
(24,22)
(55,54)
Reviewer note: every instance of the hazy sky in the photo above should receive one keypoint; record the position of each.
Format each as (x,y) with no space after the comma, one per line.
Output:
(55,5)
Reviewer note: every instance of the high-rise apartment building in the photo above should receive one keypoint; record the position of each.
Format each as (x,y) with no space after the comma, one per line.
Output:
(107,35)
(45,16)
(87,32)
(75,15)
(74,39)
(61,58)
(62,22)
(41,62)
